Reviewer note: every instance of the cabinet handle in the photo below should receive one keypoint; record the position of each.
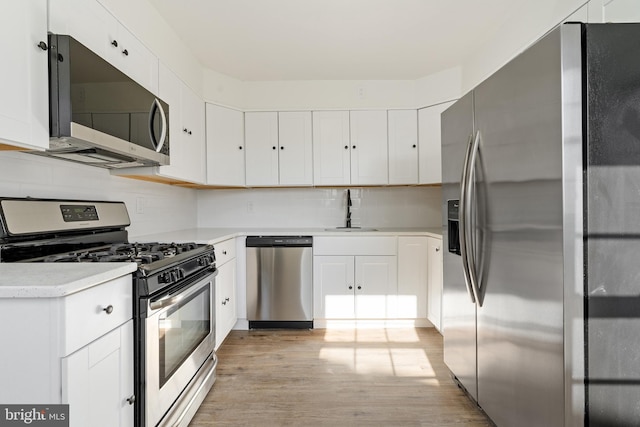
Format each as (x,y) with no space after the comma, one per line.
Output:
(354,147)
(131,399)
(43,46)
(437,249)
(350,287)
(224,303)
(189,132)
(414,145)
(359,287)
(185,130)
(240,147)
(125,52)
(226,299)
(274,147)
(281,147)
(108,309)
(114,43)
(224,252)
(346,147)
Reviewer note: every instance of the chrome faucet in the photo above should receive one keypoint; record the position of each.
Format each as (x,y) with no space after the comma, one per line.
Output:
(348,219)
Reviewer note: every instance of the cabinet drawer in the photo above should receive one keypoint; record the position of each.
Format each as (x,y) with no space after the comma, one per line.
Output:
(225,251)
(362,245)
(85,314)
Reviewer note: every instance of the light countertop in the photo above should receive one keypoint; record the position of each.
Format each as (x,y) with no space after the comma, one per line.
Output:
(216,235)
(52,280)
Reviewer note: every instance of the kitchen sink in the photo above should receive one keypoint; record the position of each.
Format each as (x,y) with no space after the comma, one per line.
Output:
(351,229)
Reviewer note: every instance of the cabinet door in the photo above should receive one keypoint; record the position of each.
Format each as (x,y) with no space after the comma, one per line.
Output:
(134,59)
(261,140)
(193,140)
(296,148)
(333,287)
(369,152)
(186,137)
(434,268)
(225,301)
(225,146)
(412,277)
(97,380)
(376,287)
(429,143)
(331,151)
(170,93)
(95,27)
(403,146)
(24,118)
(86,21)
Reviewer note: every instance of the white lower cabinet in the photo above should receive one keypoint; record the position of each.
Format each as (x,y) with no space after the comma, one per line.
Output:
(412,277)
(434,281)
(97,380)
(76,350)
(355,287)
(225,295)
(355,277)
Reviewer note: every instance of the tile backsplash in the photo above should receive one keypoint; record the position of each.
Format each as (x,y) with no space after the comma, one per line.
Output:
(155,208)
(152,207)
(320,207)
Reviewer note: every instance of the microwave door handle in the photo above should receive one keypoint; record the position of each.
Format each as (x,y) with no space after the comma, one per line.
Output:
(163,133)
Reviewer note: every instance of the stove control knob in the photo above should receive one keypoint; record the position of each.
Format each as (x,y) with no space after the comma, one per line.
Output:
(180,273)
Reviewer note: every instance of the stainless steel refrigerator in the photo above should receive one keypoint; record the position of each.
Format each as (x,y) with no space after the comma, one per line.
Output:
(541,193)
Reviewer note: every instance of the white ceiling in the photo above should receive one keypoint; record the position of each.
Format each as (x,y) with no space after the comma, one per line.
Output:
(256,40)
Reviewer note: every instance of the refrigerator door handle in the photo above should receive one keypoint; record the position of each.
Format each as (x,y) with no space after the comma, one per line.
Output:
(468,254)
(463,220)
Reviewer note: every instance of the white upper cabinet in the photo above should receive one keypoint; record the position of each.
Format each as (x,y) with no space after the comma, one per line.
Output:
(24,116)
(369,155)
(350,148)
(186,130)
(296,148)
(429,142)
(331,152)
(225,146)
(278,148)
(92,25)
(403,146)
(261,141)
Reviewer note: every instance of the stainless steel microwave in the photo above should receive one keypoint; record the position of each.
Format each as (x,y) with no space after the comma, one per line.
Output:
(100,116)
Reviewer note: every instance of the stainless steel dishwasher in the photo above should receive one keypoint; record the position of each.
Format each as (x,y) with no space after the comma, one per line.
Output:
(279,282)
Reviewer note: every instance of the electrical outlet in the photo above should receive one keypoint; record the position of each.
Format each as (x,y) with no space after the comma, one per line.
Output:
(362,93)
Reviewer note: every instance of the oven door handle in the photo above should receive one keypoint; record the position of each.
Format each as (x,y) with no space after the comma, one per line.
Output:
(165,302)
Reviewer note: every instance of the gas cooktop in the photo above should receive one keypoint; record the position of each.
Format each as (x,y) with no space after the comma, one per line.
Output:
(142,253)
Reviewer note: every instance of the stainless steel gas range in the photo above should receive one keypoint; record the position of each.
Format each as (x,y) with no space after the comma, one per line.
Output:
(173,290)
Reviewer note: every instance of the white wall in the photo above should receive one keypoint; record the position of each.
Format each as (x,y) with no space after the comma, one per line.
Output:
(332,94)
(163,207)
(320,207)
(529,22)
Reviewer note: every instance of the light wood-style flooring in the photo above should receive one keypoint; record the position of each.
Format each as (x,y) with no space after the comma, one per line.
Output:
(335,377)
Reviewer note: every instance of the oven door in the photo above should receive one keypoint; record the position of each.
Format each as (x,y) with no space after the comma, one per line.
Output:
(180,337)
